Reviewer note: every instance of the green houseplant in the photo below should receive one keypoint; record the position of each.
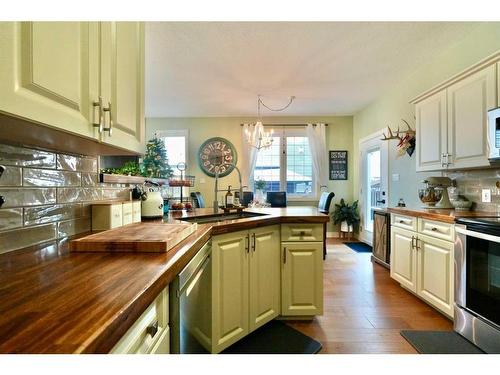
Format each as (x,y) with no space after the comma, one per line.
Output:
(260,186)
(347,216)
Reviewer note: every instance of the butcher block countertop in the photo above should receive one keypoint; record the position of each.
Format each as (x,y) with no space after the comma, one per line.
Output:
(56,301)
(440,214)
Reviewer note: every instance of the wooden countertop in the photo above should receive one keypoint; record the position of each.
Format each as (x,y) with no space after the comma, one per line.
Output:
(54,301)
(439,214)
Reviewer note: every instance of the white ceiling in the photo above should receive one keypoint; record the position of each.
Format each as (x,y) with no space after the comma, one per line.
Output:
(198,69)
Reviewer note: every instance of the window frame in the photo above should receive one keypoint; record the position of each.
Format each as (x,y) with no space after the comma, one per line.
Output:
(283,133)
(177,133)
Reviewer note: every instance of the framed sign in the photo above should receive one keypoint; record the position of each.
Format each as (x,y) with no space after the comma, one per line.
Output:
(337,162)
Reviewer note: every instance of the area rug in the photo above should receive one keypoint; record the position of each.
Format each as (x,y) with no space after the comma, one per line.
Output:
(275,337)
(439,342)
(359,247)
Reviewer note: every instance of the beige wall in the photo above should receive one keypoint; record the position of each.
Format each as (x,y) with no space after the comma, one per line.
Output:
(394,105)
(339,137)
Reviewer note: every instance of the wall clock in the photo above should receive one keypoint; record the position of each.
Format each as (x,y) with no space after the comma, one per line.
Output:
(216,152)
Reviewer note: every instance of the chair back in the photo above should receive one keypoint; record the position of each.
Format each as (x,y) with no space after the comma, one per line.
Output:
(198,200)
(276,198)
(325,201)
(247,197)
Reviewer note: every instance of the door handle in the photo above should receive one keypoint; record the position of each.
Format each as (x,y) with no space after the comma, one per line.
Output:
(253,241)
(284,255)
(99,123)
(109,128)
(381,201)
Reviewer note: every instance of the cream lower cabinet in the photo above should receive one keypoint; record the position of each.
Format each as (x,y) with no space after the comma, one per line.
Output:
(423,264)
(302,279)
(150,334)
(246,283)
(435,272)
(49,73)
(403,258)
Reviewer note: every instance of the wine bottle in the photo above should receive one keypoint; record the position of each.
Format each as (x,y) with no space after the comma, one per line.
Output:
(229,197)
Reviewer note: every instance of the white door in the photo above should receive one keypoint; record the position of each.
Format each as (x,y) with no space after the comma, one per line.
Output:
(373,182)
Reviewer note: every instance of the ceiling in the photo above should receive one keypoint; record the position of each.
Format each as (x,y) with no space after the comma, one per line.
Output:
(204,69)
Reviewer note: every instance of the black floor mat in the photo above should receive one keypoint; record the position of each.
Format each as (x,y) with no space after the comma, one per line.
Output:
(359,247)
(439,342)
(275,338)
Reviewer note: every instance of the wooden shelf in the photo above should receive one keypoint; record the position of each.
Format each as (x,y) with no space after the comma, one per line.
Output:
(122,179)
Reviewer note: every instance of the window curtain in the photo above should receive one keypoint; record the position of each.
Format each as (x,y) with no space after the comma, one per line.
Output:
(317,142)
(249,159)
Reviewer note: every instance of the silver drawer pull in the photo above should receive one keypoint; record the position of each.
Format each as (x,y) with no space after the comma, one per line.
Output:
(434,229)
(152,329)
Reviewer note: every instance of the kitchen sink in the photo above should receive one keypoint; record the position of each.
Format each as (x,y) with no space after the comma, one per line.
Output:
(221,217)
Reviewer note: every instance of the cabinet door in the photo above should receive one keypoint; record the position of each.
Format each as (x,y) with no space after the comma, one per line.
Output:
(302,278)
(403,258)
(380,223)
(468,103)
(265,281)
(122,83)
(435,272)
(229,289)
(431,132)
(49,73)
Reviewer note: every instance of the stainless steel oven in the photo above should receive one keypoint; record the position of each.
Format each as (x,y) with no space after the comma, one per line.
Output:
(477,282)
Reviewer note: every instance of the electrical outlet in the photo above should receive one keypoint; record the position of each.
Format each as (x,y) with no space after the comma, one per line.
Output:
(486,196)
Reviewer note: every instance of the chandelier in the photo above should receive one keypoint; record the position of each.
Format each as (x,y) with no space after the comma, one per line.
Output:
(259,138)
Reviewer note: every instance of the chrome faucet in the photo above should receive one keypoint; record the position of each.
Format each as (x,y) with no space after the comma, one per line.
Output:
(216,188)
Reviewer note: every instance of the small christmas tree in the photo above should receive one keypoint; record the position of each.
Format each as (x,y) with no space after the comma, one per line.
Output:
(155,162)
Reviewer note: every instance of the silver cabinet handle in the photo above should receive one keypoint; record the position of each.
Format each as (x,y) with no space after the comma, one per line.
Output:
(247,244)
(152,329)
(412,244)
(109,128)
(284,255)
(434,229)
(2,200)
(97,124)
(253,241)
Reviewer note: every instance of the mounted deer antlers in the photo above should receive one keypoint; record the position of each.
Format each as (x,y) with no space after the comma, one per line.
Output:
(398,133)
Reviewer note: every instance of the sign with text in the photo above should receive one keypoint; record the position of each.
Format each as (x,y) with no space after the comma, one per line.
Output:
(338,165)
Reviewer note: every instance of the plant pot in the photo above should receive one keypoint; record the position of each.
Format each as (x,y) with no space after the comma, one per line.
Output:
(346,228)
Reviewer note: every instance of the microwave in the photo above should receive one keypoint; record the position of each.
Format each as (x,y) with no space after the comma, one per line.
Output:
(494,135)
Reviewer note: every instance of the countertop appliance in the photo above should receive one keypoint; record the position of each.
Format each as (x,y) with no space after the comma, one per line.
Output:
(435,193)
(382,237)
(477,281)
(190,305)
(494,135)
(152,201)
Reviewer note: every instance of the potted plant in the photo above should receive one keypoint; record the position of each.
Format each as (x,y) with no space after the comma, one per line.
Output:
(346,215)
(260,186)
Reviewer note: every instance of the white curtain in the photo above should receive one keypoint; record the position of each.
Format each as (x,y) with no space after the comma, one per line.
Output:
(249,157)
(317,142)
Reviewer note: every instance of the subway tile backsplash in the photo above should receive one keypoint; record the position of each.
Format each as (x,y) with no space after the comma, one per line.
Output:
(48,195)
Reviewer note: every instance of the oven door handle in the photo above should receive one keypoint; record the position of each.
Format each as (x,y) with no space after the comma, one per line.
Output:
(483,236)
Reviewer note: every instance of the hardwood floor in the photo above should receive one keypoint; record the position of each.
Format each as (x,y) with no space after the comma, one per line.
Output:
(365,309)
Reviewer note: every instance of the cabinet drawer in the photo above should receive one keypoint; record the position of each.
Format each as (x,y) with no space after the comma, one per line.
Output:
(404,221)
(302,232)
(437,229)
(143,337)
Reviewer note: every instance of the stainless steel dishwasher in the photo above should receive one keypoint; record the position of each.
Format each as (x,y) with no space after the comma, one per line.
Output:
(190,305)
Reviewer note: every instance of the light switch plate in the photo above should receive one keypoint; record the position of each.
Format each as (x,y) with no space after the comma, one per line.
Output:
(202,180)
(486,195)
(395,177)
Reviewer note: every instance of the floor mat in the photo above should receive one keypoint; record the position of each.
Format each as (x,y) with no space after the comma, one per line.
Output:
(439,342)
(275,338)
(359,247)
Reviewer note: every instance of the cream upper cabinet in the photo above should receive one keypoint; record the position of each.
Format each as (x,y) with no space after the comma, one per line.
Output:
(435,272)
(122,84)
(230,254)
(302,278)
(431,132)
(265,276)
(468,103)
(49,73)
(403,258)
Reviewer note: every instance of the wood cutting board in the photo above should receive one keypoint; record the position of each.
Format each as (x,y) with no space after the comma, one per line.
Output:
(137,237)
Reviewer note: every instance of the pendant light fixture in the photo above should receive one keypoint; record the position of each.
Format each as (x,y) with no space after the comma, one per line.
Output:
(259,138)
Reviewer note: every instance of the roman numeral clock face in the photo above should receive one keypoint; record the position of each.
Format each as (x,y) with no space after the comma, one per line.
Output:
(217,152)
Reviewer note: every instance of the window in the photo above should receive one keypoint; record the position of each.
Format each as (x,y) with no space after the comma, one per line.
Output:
(287,165)
(176,142)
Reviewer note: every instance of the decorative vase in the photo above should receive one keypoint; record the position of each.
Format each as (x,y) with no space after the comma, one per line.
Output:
(259,196)
(346,228)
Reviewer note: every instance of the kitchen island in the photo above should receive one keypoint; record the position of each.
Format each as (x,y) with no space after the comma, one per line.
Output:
(54,301)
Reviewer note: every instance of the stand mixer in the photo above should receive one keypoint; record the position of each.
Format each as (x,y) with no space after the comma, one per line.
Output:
(436,192)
